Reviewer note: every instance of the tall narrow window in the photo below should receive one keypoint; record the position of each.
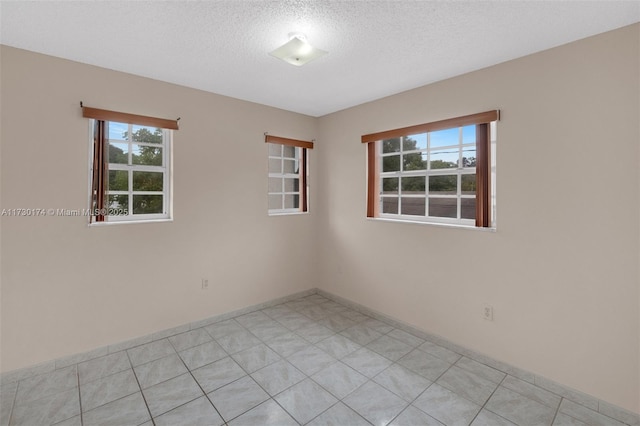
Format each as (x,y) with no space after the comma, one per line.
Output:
(130,168)
(288,190)
(435,172)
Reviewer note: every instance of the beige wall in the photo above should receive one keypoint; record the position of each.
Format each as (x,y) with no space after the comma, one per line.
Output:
(68,288)
(562,269)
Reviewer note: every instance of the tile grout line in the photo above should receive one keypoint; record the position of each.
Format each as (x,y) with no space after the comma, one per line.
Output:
(287,361)
(428,387)
(483,407)
(79,395)
(139,387)
(249,374)
(13,403)
(338,400)
(224,422)
(555,415)
(280,405)
(382,334)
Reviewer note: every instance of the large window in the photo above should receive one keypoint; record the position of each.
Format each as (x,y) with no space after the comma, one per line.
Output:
(288,190)
(437,172)
(130,168)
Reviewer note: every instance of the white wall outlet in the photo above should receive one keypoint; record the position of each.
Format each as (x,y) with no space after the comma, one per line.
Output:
(205,283)
(487,312)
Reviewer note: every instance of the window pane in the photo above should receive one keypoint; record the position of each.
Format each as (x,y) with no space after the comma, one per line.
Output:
(391,163)
(275,165)
(146,155)
(289,166)
(391,145)
(289,151)
(413,206)
(118,180)
(415,161)
(291,201)
(468,185)
(469,134)
(413,185)
(469,156)
(118,202)
(390,205)
(291,185)
(414,142)
(445,158)
(468,208)
(118,153)
(443,207)
(275,185)
(147,181)
(443,184)
(275,202)
(147,204)
(390,186)
(146,134)
(445,137)
(117,131)
(275,150)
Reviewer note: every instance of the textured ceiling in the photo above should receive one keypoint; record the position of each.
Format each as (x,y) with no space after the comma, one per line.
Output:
(376,48)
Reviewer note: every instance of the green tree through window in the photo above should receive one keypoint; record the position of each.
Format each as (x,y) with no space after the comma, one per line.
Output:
(144,155)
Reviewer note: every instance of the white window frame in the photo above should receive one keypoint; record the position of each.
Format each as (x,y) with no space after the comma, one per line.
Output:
(485,171)
(428,151)
(282,176)
(130,168)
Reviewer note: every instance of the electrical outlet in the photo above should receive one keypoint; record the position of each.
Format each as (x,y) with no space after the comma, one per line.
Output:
(487,312)
(205,283)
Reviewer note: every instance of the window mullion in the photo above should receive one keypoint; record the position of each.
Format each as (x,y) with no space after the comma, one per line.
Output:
(130,177)
(459,176)
(282,196)
(130,168)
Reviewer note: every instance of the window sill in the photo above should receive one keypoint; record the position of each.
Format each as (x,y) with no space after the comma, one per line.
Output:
(289,214)
(438,224)
(127,222)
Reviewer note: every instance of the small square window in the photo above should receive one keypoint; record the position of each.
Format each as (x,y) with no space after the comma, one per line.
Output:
(288,188)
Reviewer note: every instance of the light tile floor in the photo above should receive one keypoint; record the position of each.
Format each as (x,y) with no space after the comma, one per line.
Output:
(309,361)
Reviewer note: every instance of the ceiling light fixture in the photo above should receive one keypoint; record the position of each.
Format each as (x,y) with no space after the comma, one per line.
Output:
(297,51)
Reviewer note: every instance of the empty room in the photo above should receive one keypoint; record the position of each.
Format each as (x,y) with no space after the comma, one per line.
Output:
(342,213)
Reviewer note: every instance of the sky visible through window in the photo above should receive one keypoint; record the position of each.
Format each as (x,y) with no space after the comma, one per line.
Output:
(447,137)
(118,130)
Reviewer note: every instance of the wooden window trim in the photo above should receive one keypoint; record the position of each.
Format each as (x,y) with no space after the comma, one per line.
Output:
(480,118)
(303,181)
(483,175)
(287,141)
(98,189)
(123,117)
(372,180)
(483,159)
